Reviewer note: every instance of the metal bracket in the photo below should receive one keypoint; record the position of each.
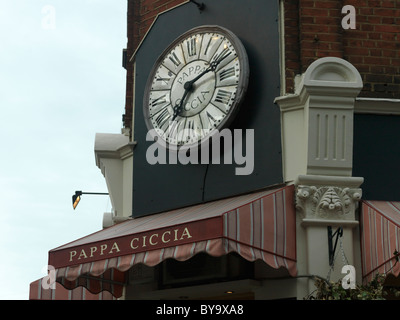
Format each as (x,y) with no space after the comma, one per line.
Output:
(338,233)
(200,6)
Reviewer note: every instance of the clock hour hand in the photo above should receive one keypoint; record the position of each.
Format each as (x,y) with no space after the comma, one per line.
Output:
(179,107)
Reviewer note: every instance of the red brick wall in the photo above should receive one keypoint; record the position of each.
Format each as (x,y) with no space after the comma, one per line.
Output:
(312,30)
(374,47)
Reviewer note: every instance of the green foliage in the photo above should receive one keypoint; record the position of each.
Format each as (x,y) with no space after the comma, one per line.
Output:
(374,290)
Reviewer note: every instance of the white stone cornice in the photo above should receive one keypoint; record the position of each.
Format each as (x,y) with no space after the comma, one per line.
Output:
(114,156)
(351,182)
(112,146)
(377,106)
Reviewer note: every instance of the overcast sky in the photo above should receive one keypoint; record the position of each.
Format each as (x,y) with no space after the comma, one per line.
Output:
(61,81)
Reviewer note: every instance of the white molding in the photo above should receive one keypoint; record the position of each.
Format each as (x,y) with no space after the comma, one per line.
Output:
(327,222)
(317,120)
(351,182)
(377,106)
(114,156)
(112,146)
(282,61)
(329,74)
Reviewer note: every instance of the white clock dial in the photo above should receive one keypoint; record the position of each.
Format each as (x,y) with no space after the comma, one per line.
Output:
(196,86)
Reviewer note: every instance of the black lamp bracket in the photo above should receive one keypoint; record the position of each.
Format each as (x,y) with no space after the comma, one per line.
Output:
(101,193)
(76,196)
(200,6)
(332,248)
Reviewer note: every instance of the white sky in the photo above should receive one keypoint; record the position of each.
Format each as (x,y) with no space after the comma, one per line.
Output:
(61,81)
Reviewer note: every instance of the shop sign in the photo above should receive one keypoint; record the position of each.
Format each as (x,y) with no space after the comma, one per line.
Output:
(135,243)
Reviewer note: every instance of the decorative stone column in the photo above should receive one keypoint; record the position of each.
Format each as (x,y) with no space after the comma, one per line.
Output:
(322,202)
(317,121)
(317,148)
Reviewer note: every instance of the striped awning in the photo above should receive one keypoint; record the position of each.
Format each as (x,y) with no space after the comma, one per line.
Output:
(260,225)
(39,292)
(380,238)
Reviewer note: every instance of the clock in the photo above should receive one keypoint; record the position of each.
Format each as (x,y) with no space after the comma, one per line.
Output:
(196,86)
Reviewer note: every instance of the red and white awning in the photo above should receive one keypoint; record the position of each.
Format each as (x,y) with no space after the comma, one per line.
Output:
(380,238)
(39,292)
(260,225)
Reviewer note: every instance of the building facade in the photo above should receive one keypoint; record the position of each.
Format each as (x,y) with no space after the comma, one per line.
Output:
(323,102)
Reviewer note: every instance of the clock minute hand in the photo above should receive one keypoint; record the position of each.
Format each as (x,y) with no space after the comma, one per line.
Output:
(188,86)
(213,66)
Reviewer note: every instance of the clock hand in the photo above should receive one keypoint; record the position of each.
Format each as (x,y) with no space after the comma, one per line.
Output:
(213,66)
(188,86)
(179,107)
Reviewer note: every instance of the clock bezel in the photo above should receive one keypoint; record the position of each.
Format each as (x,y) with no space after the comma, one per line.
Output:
(241,87)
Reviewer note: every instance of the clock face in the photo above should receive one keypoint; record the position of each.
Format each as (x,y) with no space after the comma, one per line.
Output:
(196,86)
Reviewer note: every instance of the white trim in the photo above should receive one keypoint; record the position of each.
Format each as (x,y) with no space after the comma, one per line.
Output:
(377,106)
(282,53)
(329,222)
(114,156)
(319,180)
(112,146)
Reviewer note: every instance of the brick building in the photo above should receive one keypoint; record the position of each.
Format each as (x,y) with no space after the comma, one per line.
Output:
(335,104)
(312,30)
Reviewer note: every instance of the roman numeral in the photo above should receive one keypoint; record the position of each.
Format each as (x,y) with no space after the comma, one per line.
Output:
(191,47)
(223,96)
(223,54)
(189,125)
(162,117)
(211,118)
(159,101)
(226,73)
(175,60)
(173,130)
(165,80)
(208,44)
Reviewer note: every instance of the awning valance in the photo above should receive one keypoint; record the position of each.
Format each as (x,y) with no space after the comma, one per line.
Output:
(380,237)
(260,225)
(39,292)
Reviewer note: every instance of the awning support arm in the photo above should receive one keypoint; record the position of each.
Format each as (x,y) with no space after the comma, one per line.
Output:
(338,233)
